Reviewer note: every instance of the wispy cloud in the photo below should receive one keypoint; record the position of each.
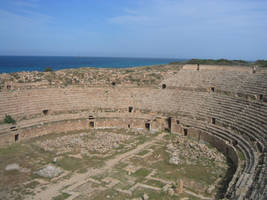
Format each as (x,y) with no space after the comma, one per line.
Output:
(23,21)
(130,11)
(7,16)
(183,28)
(25,3)
(130,19)
(166,13)
(37,16)
(23,12)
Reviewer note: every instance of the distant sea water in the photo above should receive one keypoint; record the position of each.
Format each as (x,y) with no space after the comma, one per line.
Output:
(10,64)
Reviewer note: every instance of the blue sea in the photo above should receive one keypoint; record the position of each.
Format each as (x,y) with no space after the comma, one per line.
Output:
(10,64)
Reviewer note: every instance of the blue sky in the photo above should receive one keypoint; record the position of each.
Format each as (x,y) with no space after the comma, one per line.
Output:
(232,29)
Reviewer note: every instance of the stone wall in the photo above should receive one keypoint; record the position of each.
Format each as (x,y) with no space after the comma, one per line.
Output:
(81,124)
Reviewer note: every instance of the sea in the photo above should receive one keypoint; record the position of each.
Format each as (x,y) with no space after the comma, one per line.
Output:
(10,64)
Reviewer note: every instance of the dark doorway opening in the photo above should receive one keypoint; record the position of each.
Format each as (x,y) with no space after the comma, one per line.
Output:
(185,132)
(260,96)
(45,112)
(197,67)
(177,122)
(92,124)
(235,142)
(164,86)
(213,120)
(169,120)
(212,89)
(130,108)
(16,137)
(113,83)
(147,125)
(129,126)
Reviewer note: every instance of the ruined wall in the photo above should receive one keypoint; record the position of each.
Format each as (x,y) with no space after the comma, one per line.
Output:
(33,102)
(79,125)
(39,130)
(217,67)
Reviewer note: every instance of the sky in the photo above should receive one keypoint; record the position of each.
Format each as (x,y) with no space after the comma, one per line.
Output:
(231,29)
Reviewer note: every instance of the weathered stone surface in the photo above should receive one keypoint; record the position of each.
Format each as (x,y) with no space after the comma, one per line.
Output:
(174,160)
(170,191)
(49,171)
(101,143)
(145,197)
(197,150)
(13,166)
(166,187)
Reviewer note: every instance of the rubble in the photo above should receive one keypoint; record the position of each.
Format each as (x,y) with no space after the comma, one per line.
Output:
(188,151)
(84,142)
(145,197)
(49,171)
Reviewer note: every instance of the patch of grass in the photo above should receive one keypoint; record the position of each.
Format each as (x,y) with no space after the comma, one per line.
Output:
(12,149)
(141,153)
(241,156)
(199,173)
(111,194)
(141,173)
(83,170)
(168,171)
(155,183)
(61,196)
(70,163)
(32,184)
(43,187)
(156,195)
(99,177)
(120,165)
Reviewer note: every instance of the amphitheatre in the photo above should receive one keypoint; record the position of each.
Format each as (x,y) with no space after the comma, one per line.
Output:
(176,131)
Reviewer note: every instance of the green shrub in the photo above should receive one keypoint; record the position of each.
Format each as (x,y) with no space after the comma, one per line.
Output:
(261,63)
(8,119)
(218,62)
(214,62)
(48,69)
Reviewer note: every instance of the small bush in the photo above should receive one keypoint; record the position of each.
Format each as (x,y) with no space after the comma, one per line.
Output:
(48,69)
(8,119)
(215,62)
(261,63)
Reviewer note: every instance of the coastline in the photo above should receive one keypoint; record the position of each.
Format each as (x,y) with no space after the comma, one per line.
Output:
(9,64)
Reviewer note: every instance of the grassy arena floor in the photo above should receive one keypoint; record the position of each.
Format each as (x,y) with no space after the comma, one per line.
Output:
(128,167)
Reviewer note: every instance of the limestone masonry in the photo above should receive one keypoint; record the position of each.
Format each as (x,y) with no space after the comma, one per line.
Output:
(222,105)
